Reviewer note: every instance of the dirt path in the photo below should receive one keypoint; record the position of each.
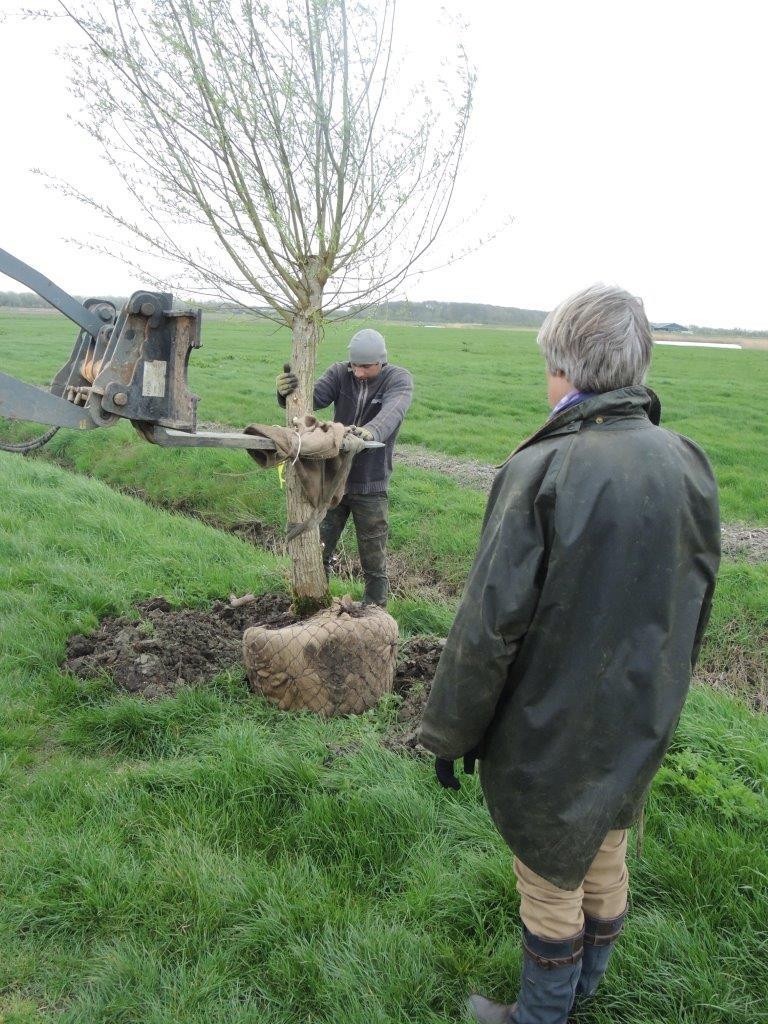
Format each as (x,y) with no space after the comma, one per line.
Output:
(478,476)
(750,542)
(739,541)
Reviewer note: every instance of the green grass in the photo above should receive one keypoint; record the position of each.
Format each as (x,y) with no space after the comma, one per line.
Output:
(203,860)
(460,375)
(479,391)
(736,644)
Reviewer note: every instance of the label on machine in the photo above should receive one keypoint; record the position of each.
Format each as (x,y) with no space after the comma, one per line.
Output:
(154,378)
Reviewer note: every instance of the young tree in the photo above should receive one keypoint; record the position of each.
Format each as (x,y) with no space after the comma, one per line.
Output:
(271,162)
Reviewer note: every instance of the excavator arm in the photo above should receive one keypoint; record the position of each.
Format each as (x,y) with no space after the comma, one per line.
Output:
(128,365)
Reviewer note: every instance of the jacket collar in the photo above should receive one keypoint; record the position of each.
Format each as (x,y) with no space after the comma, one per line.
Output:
(630,402)
(636,400)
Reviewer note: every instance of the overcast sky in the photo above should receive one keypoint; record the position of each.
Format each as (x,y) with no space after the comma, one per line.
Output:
(626,139)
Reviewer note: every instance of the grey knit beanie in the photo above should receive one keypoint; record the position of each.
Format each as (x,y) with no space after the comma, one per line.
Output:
(367,346)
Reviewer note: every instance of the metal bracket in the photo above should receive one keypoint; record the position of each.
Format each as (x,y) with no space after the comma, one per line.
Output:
(142,374)
(211,438)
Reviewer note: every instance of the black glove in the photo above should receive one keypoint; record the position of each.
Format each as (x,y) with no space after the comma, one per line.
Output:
(445,773)
(286,382)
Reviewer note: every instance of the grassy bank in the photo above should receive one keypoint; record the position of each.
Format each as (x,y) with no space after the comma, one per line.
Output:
(207,859)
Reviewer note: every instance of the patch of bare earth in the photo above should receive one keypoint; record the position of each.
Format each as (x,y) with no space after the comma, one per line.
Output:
(166,648)
(739,672)
(750,542)
(413,681)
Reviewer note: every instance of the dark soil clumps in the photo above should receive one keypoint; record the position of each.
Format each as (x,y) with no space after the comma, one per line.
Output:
(413,681)
(418,662)
(166,648)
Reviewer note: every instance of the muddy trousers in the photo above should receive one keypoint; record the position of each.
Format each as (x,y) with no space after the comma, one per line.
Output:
(370,514)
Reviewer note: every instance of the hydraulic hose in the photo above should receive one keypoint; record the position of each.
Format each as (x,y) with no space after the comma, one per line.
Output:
(25,447)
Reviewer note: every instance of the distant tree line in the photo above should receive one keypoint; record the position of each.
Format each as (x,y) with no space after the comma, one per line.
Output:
(433,312)
(735,332)
(30,300)
(430,312)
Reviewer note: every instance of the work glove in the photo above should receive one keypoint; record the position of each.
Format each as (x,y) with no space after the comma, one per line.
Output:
(361,432)
(286,382)
(352,443)
(445,773)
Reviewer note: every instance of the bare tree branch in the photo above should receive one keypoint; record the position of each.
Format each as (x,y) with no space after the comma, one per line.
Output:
(263,130)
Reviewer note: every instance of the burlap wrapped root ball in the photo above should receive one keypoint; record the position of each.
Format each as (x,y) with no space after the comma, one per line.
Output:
(338,662)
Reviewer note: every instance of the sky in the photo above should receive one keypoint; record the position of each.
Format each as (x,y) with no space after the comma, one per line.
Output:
(626,141)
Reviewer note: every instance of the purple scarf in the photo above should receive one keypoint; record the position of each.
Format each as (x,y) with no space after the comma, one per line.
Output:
(572,398)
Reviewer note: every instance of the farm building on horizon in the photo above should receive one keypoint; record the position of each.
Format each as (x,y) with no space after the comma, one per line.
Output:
(672,328)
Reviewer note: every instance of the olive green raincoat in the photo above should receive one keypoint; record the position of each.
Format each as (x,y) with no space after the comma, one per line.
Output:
(571,653)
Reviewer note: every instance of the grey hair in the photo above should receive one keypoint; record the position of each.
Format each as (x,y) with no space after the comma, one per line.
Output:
(599,338)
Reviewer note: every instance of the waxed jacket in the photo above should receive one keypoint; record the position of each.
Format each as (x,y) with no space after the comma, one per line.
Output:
(571,652)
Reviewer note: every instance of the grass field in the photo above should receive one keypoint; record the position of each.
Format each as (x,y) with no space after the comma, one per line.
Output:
(478,393)
(202,858)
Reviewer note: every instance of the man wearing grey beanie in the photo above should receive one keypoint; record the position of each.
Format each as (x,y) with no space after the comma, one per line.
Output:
(372,397)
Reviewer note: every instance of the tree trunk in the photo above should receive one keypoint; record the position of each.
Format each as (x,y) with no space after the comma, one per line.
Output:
(310,587)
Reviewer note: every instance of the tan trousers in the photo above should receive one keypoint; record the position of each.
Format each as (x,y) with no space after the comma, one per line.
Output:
(553,913)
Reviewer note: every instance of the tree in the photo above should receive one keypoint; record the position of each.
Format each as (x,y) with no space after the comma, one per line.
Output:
(269,129)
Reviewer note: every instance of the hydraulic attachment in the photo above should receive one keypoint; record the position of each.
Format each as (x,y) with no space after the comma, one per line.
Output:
(130,365)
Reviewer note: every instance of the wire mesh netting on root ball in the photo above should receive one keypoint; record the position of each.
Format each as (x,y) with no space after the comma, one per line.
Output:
(338,662)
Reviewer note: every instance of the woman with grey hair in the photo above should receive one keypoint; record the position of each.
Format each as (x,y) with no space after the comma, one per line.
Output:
(568,663)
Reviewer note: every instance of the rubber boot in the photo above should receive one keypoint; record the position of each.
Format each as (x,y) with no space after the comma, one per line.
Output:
(551,970)
(600,935)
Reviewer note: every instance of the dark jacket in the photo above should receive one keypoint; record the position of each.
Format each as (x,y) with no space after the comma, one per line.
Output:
(571,653)
(380,405)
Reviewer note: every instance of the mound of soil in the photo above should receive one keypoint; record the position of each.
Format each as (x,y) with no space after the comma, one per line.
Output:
(413,681)
(166,648)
